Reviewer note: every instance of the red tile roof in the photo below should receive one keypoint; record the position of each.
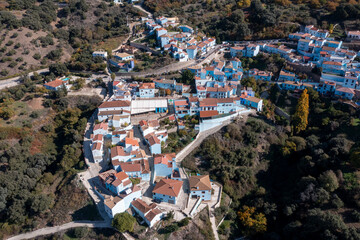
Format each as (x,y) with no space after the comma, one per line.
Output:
(211,113)
(110,104)
(168,187)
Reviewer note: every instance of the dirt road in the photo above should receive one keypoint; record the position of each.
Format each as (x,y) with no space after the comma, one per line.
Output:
(52,230)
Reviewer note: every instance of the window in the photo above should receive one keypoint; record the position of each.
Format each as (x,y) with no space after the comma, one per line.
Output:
(203,192)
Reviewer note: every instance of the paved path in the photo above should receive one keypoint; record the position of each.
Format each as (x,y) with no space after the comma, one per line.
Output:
(213,223)
(202,135)
(52,230)
(11,82)
(149,14)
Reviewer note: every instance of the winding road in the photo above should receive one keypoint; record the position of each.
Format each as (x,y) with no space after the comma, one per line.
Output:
(52,230)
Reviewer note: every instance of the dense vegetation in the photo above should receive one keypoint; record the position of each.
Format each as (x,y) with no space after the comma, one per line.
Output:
(245,19)
(40,156)
(288,179)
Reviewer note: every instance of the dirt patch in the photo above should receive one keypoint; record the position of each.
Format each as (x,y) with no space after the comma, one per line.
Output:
(36,103)
(18,56)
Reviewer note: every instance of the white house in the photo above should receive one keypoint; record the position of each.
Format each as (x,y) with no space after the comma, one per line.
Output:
(111,108)
(123,56)
(102,54)
(97,151)
(354,35)
(147,90)
(121,202)
(150,213)
(101,128)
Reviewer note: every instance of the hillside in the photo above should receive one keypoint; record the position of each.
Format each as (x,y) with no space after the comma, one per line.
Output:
(37,34)
(245,19)
(284,184)
(40,152)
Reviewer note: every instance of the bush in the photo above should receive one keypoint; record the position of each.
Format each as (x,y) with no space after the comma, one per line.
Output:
(12,64)
(184,222)
(34,114)
(36,56)
(14,35)
(355,215)
(29,34)
(17,46)
(124,222)
(9,43)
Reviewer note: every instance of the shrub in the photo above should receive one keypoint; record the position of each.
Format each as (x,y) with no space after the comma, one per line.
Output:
(12,64)
(14,35)
(17,46)
(34,114)
(19,59)
(29,34)
(355,215)
(11,52)
(9,43)
(4,72)
(37,56)
(124,222)
(184,222)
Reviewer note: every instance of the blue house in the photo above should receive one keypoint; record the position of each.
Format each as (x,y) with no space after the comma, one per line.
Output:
(345,93)
(167,190)
(114,181)
(253,102)
(186,28)
(136,169)
(191,51)
(164,164)
(200,187)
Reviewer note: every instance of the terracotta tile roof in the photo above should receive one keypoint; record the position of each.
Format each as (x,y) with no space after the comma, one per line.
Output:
(180,103)
(168,187)
(346,90)
(55,83)
(147,86)
(152,214)
(118,151)
(253,99)
(143,206)
(332,63)
(154,123)
(96,146)
(200,182)
(98,137)
(211,113)
(152,139)
(131,141)
(164,158)
(206,102)
(102,125)
(192,47)
(110,104)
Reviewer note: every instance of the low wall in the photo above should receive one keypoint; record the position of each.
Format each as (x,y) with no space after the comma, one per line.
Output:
(212,123)
(281,113)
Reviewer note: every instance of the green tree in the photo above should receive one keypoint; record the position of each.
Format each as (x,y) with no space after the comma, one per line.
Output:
(328,181)
(355,157)
(249,82)
(187,77)
(124,222)
(113,76)
(300,118)
(252,222)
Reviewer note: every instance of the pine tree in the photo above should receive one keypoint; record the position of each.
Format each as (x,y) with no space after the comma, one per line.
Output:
(300,118)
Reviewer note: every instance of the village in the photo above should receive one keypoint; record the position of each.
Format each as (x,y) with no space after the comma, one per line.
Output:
(132,167)
(132,126)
